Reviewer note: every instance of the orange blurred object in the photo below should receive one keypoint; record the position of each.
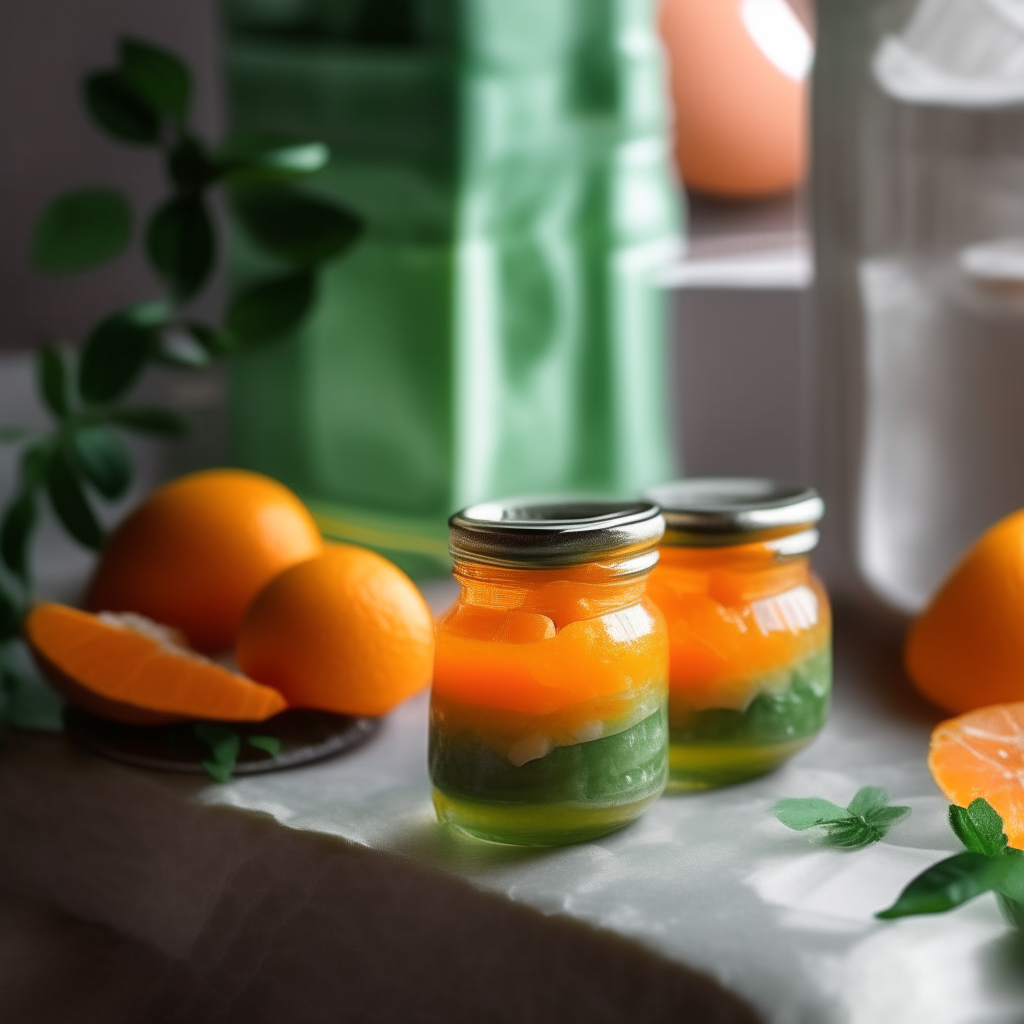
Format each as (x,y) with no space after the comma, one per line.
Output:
(738,72)
(346,631)
(199,549)
(129,669)
(967,648)
(981,754)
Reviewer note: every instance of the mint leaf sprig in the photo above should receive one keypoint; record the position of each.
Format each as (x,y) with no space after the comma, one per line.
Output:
(225,744)
(866,819)
(989,864)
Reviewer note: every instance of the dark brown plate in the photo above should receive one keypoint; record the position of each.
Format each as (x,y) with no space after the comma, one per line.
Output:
(306,736)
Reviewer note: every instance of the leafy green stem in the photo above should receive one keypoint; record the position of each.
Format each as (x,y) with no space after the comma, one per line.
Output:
(866,819)
(989,864)
(145,100)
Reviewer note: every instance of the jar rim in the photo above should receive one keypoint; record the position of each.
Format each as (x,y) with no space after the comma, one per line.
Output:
(724,509)
(551,531)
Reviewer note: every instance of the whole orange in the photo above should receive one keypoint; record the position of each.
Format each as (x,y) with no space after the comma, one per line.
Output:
(967,648)
(346,631)
(199,549)
(739,103)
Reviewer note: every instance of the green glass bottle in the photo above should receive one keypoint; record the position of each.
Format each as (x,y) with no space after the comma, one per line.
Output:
(497,329)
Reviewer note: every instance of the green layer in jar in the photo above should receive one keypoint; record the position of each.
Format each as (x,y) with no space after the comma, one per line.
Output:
(797,710)
(625,767)
(719,746)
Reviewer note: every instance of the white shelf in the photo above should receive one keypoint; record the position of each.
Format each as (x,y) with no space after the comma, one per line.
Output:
(760,245)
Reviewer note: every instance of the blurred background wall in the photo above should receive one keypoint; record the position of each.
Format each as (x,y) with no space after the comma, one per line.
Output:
(735,358)
(49,145)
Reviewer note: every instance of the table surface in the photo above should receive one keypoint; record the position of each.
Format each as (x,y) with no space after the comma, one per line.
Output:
(708,880)
(712,879)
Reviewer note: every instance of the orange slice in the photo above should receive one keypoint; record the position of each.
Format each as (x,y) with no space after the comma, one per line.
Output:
(130,669)
(981,754)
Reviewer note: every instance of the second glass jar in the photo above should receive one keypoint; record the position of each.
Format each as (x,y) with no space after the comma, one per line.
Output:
(749,626)
(548,716)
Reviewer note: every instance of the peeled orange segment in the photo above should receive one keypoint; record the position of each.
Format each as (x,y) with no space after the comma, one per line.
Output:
(130,669)
(981,754)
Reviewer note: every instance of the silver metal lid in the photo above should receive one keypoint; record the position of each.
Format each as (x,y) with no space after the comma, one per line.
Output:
(545,532)
(729,510)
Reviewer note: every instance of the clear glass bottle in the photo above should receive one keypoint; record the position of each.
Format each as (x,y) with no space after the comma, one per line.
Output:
(548,713)
(749,626)
(919,299)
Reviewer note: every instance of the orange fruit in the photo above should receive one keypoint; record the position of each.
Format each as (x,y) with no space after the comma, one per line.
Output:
(967,648)
(740,117)
(981,754)
(346,631)
(199,549)
(129,669)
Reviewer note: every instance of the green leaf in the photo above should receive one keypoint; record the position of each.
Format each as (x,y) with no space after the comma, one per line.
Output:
(191,166)
(802,814)
(31,703)
(177,346)
(9,435)
(35,462)
(224,744)
(949,884)
(16,532)
(263,159)
(116,351)
(886,817)
(81,230)
(69,502)
(150,420)
(979,827)
(299,229)
(103,458)
(271,744)
(866,820)
(180,242)
(216,341)
(119,109)
(1011,909)
(867,800)
(268,310)
(52,380)
(853,834)
(1011,883)
(10,619)
(159,77)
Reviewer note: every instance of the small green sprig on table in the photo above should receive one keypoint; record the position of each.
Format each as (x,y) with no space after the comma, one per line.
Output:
(225,744)
(145,100)
(866,819)
(989,864)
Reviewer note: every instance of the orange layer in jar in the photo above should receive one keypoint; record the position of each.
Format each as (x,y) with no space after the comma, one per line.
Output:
(559,656)
(739,619)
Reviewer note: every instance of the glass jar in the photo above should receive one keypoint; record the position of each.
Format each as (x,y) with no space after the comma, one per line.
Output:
(549,707)
(749,626)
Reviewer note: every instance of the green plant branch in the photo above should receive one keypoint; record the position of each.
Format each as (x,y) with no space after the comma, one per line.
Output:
(866,820)
(145,101)
(989,864)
